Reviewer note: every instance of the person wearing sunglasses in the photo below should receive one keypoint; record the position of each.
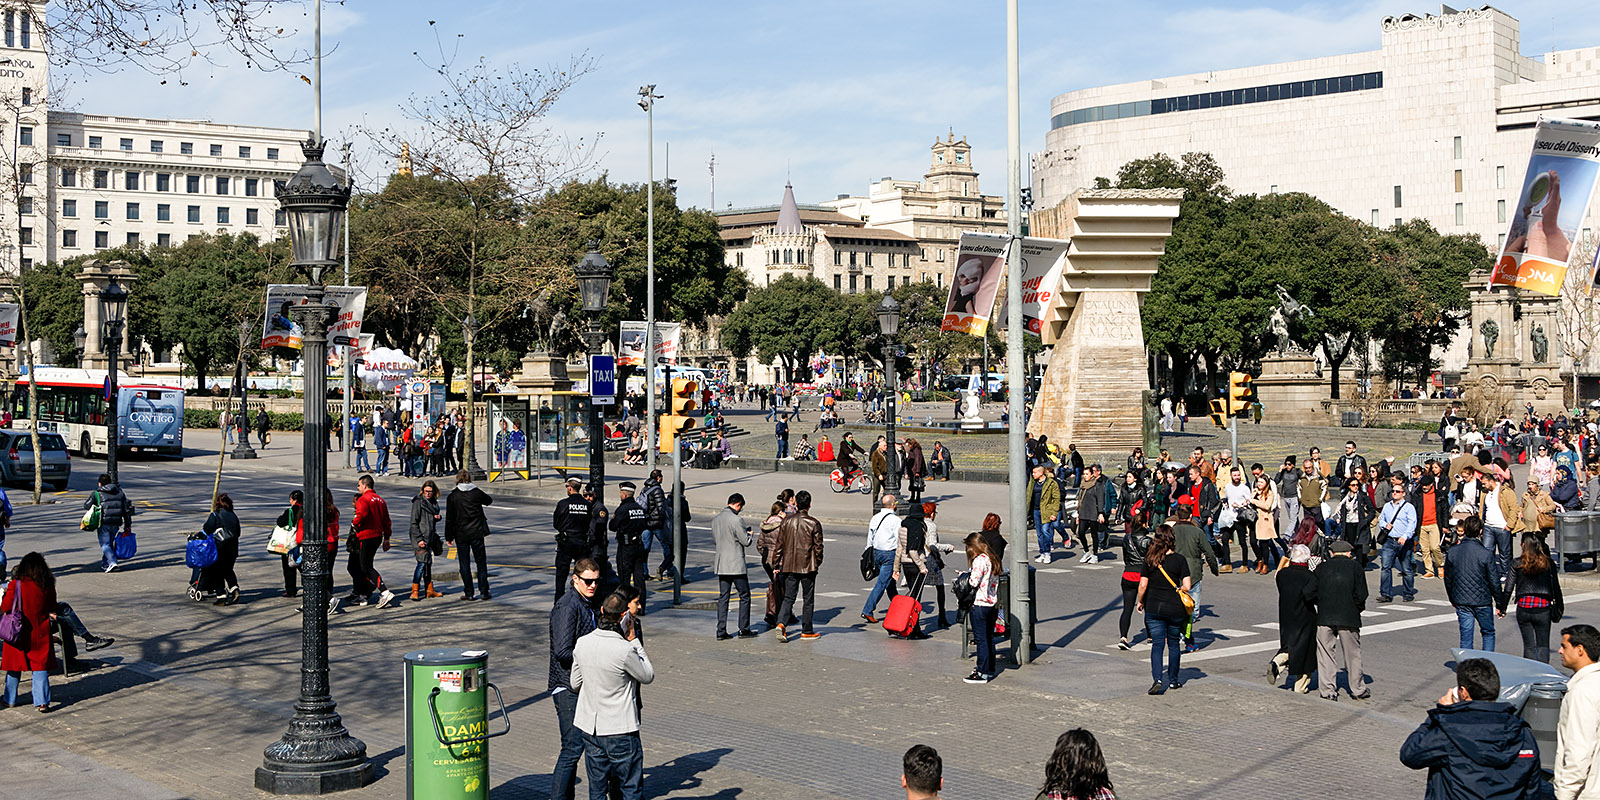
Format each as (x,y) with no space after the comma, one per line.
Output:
(1397,528)
(572,617)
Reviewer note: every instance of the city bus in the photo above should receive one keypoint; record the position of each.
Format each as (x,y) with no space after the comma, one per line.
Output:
(72,404)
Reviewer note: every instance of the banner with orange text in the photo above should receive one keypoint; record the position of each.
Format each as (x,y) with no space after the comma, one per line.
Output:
(980,264)
(1043,261)
(1550,207)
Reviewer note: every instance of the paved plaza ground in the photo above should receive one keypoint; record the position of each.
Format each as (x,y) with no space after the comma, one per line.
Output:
(182,705)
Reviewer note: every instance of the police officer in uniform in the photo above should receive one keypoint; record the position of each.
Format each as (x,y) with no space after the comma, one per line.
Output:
(572,532)
(629,523)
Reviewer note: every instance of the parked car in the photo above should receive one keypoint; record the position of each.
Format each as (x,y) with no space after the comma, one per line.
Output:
(16,463)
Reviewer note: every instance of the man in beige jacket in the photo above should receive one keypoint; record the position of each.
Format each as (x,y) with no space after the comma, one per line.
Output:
(1578,732)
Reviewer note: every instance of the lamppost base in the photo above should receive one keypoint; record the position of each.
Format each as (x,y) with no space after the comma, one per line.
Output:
(243,451)
(274,778)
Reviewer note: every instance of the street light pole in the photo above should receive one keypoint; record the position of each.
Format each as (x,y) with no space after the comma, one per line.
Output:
(889,326)
(594,275)
(469,333)
(243,450)
(345,442)
(1016,386)
(113,304)
(316,754)
(647,101)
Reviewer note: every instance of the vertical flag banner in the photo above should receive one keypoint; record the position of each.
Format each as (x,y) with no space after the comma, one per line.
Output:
(9,313)
(980,264)
(630,347)
(1043,261)
(1550,207)
(280,330)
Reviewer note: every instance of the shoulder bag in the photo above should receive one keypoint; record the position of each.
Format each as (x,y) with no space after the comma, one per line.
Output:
(869,565)
(1188,599)
(281,540)
(91,517)
(13,625)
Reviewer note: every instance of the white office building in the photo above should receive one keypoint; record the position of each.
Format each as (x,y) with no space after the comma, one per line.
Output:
(90,182)
(1436,124)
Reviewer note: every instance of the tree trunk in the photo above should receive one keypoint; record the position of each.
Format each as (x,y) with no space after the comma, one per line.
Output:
(201,370)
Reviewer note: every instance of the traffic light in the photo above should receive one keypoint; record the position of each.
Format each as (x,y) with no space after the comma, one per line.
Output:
(1241,392)
(678,419)
(1217,413)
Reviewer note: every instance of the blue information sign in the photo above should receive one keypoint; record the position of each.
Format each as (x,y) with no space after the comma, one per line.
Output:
(603,380)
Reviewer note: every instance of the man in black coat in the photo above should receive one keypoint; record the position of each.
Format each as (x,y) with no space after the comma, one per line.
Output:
(629,523)
(1349,462)
(1339,591)
(1474,747)
(1470,584)
(262,424)
(572,617)
(465,526)
(572,524)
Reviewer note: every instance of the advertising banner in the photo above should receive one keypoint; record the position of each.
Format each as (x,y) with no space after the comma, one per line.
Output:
(1550,207)
(9,313)
(280,329)
(630,347)
(1043,261)
(384,369)
(980,264)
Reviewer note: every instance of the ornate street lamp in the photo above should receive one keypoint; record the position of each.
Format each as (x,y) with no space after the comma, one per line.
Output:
(113,307)
(889,325)
(316,754)
(241,381)
(594,288)
(81,338)
(469,334)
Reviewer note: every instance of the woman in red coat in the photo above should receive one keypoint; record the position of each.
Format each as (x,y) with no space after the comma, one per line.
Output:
(35,586)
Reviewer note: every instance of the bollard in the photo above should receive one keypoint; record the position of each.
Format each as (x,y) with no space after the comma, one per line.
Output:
(447,720)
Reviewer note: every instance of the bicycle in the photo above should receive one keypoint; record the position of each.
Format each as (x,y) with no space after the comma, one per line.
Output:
(856,481)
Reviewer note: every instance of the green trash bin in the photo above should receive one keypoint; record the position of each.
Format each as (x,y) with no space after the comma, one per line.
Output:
(447,724)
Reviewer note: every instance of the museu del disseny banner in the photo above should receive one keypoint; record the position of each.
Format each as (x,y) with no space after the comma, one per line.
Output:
(1043,261)
(9,312)
(980,263)
(281,330)
(1550,207)
(630,347)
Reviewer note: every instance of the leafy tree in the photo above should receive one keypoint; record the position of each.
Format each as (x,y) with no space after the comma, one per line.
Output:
(226,276)
(1432,270)
(785,321)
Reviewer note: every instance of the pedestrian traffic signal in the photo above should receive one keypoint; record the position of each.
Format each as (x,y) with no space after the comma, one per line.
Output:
(1241,392)
(678,419)
(1217,413)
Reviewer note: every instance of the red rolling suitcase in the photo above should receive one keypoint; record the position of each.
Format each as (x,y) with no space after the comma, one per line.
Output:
(904,611)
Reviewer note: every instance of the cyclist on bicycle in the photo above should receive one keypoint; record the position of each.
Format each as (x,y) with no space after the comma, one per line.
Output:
(846,460)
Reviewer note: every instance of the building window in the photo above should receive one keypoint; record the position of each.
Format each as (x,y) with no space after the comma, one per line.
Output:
(69,177)
(838,282)
(939,279)
(891,283)
(157,146)
(222,215)
(869,263)
(69,238)
(838,258)
(25,235)
(280,218)
(102,179)
(102,240)
(27,30)
(222,186)
(94,143)
(738,259)
(1374,217)
(1502,241)
(63,140)
(1398,222)
(272,154)
(1458,180)
(186,148)
(133,211)
(24,135)
(1461,214)
(163,212)
(25,173)
(1396,197)
(194,213)
(191,184)
(25,205)
(869,283)
(102,209)
(1208,100)
(133,237)
(252,216)
(244,152)
(277,187)
(27,264)
(216,149)
(163,240)
(11,29)
(852,258)
(252,187)
(69,208)
(130,181)
(27,96)
(852,284)
(1500,210)
(938,254)
(1458,147)
(1499,177)
(163,181)
(125,144)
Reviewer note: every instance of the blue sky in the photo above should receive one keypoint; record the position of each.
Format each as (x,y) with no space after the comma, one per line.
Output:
(833,94)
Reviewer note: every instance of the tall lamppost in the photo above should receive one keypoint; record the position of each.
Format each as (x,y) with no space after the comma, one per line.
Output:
(81,338)
(243,450)
(647,101)
(594,288)
(889,325)
(316,754)
(469,333)
(113,305)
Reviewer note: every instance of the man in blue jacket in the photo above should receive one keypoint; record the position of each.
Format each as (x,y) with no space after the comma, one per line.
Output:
(1474,747)
(1470,584)
(572,617)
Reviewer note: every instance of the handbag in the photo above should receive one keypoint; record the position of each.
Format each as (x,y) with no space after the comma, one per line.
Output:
(963,589)
(869,565)
(435,544)
(1247,514)
(91,517)
(1188,599)
(200,551)
(124,546)
(1546,520)
(13,625)
(281,540)
(351,543)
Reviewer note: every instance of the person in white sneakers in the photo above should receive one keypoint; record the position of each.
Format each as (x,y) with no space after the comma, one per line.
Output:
(1044,503)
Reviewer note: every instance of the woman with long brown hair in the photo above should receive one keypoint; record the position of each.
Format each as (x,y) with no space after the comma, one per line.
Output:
(985,578)
(1538,593)
(34,586)
(1166,574)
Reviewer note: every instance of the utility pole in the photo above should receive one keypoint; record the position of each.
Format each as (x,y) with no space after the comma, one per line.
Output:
(344,421)
(1016,386)
(647,101)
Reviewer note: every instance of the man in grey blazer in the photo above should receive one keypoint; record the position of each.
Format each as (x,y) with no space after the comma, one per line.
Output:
(732,537)
(608,665)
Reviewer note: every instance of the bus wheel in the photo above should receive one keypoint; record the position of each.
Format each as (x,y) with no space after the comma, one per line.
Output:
(83,450)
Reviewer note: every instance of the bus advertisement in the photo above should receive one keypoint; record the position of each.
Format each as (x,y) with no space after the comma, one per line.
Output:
(72,403)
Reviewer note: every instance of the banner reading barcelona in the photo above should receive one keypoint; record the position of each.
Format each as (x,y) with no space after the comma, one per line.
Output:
(980,263)
(1550,208)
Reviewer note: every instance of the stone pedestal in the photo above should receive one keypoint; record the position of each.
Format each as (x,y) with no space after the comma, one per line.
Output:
(1290,390)
(542,375)
(1523,365)
(1090,396)
(94,278)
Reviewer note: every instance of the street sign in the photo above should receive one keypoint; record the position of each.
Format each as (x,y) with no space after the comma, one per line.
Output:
(603,380)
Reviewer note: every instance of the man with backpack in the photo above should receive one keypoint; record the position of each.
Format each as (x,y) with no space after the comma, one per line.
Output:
(655,520)
(110,511)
